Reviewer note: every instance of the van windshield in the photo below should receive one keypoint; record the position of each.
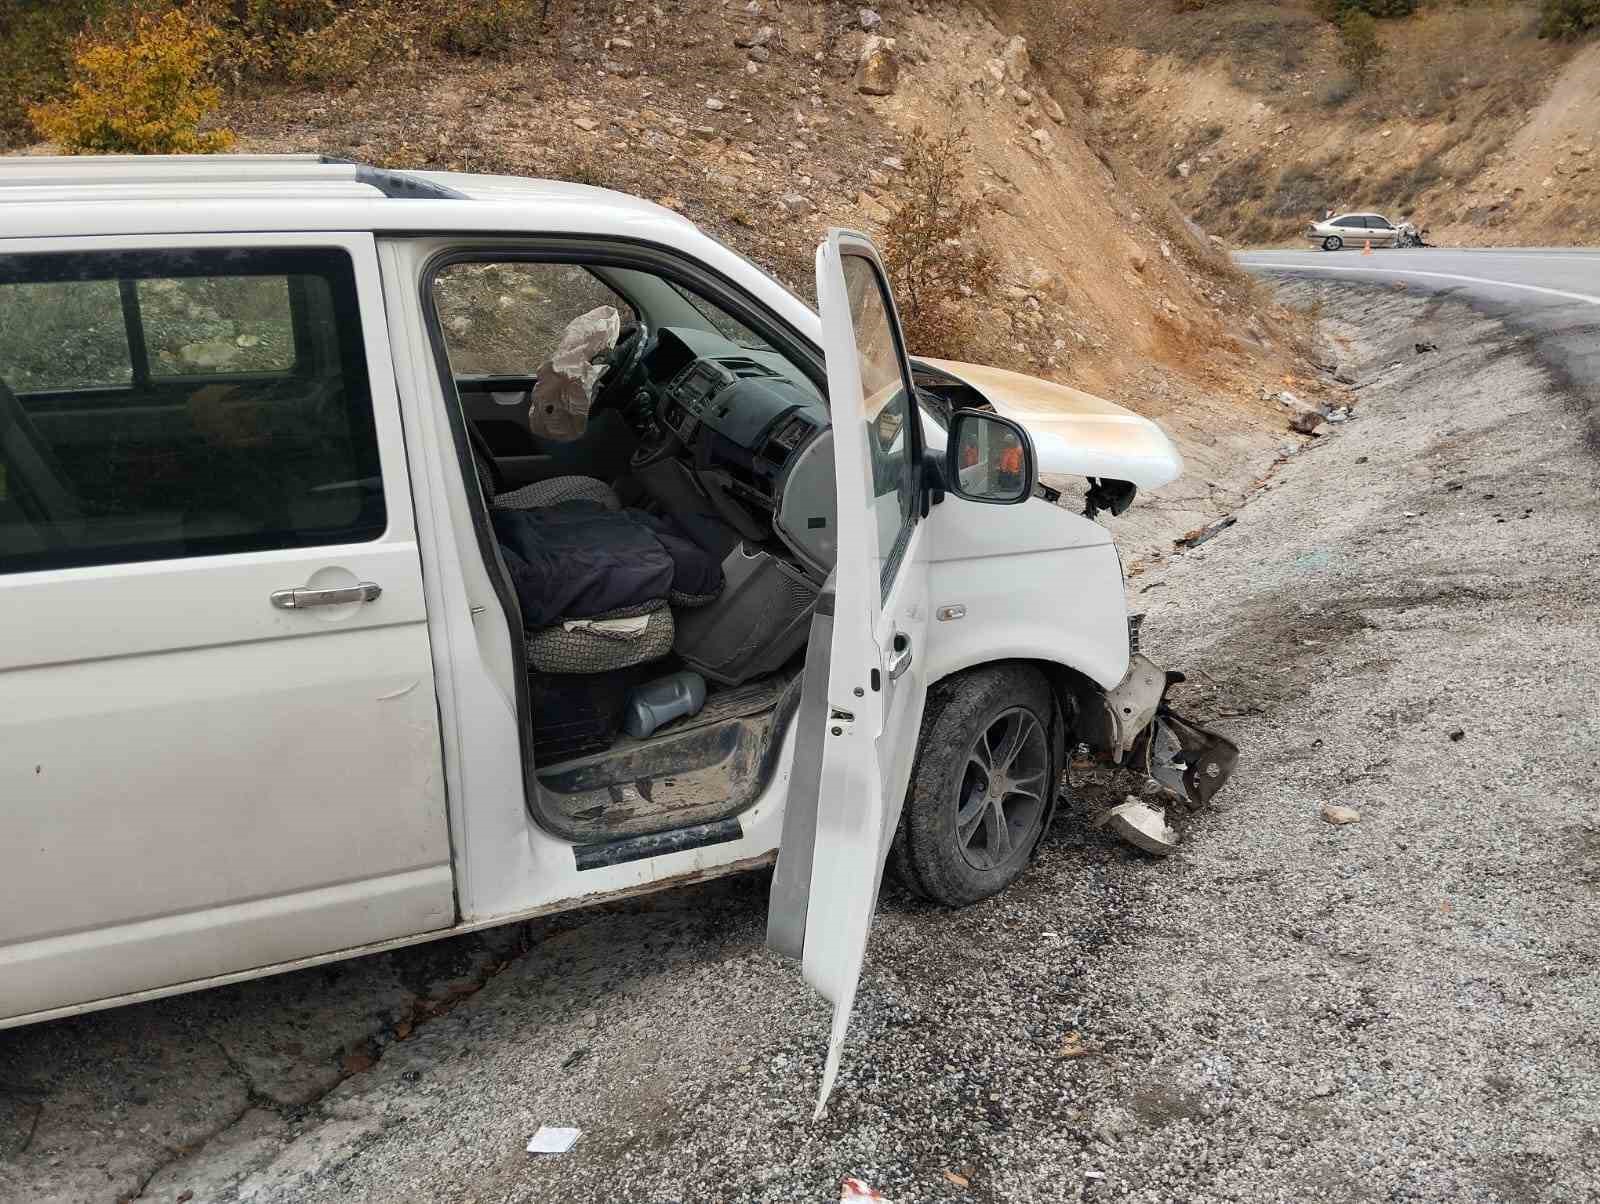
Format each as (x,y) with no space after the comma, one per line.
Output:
(725,324)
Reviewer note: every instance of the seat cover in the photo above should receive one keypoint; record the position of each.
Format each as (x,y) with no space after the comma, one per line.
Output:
(578,560)
(558,490)
(603,644)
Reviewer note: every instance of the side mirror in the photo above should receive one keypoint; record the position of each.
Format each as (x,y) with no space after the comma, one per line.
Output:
(989,459)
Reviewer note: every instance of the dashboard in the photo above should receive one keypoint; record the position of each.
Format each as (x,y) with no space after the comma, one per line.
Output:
(739,412)
(750,434)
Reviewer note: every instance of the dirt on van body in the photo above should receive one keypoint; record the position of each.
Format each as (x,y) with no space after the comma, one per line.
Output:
(1401,623)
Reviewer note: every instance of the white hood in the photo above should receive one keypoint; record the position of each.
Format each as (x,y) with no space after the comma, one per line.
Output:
(1074,433)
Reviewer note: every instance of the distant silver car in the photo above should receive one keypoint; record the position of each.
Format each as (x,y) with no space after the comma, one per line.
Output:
(1362,228)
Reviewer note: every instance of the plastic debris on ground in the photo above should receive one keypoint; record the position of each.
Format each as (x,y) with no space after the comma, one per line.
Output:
(1142,825)
(552,1139)
(854,1189)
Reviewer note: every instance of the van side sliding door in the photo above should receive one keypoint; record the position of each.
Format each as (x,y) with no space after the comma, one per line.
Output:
(219,741)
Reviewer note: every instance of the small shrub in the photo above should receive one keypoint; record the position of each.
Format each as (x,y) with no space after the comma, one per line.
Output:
(1409,182)
(1359,47)
(1242,180)
(1334,93)
(35,56)
(144,93)
(1302,190)
(1568,18)
(939,270)
(1336,10)
(359,36)
(481,26)
(578,164)
(271,21)
(259,36)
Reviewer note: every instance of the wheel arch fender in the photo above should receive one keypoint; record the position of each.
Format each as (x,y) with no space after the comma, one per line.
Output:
(1080,699)
(1081,713)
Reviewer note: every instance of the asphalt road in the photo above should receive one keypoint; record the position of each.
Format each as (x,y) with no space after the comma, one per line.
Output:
(1550,296)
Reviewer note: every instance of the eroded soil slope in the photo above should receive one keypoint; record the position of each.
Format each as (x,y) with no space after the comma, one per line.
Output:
(1100,282)
(1487,133)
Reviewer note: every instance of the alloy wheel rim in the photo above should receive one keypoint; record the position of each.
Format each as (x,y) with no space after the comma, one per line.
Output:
(1002,790)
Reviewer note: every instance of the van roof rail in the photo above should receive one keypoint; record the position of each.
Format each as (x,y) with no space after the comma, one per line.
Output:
(185,171)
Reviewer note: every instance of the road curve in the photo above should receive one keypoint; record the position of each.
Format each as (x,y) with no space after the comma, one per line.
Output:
(1551,295)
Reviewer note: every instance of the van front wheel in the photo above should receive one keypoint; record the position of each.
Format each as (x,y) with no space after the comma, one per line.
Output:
(985,778)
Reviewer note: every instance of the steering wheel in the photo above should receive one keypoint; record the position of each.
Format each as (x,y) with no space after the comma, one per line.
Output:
(617,384)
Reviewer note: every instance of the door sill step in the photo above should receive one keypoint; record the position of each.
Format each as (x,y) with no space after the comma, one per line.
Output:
(640,848)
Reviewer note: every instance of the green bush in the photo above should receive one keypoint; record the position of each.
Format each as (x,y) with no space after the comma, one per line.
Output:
(1359,47)
(481,26)
(261,35)
(1568,18)
(35,53)
(1336,10)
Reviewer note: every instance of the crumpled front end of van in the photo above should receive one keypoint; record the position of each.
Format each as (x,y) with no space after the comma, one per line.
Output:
(1148,736)
(1135,727)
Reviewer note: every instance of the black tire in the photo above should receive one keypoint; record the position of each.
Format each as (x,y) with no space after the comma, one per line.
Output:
(1332,243)
(953,862)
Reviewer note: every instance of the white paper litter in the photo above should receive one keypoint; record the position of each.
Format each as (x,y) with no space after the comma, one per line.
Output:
(618,629)
(552,1139)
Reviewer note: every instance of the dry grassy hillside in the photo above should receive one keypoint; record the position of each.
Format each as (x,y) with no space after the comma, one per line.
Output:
(1097,280)
(758,120)
(1470,121)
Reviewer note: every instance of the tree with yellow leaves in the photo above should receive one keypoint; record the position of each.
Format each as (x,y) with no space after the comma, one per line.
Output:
(144,93)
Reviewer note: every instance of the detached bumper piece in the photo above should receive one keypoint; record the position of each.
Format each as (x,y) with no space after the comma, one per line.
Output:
(1141,825)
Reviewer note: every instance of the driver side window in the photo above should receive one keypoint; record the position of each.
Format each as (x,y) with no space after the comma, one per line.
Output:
(522,338)
(886,395)
(505,319)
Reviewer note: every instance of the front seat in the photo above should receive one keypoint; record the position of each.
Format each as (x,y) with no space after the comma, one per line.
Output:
(551,492)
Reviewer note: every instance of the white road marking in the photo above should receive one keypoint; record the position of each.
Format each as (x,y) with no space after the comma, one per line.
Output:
(1526,258)
(1527,288)
(1474,252)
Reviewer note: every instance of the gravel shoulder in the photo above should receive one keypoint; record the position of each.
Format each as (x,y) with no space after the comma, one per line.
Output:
(1401,622)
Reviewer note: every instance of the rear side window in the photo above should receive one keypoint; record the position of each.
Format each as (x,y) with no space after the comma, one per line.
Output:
(55,336)
(199,324)
(168,404)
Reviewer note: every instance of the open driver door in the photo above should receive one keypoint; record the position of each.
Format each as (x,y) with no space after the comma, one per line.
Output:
(864,689)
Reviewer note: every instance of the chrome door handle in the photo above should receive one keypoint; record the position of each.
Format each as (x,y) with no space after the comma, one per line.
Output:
(901,660)
(298,599)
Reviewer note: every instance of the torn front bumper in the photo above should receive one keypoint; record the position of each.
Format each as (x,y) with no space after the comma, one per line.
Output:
(1148,736)
(1187,760)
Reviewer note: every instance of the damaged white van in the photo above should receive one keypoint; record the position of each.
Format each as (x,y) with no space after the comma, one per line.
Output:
(328,623)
